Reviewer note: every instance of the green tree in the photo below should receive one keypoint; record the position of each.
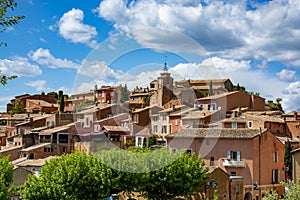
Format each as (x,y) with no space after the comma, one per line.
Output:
(54,94)
(288,158)
(124,96)
(292,192)
(6,21)
(184,177)
(61,102)
(6,176)
(75,176)
(18,108)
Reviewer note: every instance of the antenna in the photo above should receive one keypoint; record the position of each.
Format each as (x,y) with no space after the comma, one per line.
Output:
(165,67)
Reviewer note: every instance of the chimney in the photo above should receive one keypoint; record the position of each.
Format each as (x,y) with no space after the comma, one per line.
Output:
(295,116)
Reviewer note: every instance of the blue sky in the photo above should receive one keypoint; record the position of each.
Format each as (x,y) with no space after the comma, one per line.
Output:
(73,45)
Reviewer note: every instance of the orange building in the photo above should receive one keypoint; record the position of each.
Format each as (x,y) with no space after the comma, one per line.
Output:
(255,155)
(107,94)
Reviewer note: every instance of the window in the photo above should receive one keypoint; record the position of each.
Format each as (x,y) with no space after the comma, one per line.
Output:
(164,116)
(275,176)
(164,129)
(233,125)
(249,124)
(170,128)
(232,173)
(201,107)
(87,121)
(275,156)
(176,122)
(103,94)
(212,161)
(136,118)
(112,94)
(212,107)
(189,151)
(155,129)
(234,155)
(155,118)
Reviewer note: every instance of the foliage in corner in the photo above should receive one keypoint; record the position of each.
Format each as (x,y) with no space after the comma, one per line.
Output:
(6,21)
(6,176)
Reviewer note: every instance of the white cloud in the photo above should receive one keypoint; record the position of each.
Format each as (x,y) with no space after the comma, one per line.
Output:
(19,66)
(291,100)
(44,57)
(287,75)
(39,85)
(229,29)
(72,28)
(6,99)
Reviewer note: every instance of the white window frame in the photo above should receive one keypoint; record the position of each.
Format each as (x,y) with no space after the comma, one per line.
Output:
(250,124)
(231,153)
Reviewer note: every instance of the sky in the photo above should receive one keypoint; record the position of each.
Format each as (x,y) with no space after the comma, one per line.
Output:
(74,45)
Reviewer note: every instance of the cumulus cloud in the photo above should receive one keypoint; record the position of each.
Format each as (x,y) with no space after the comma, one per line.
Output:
(228,29)
(39,85)
(291,100)
(44,57)
(72,28)
(287,75)
(19,66)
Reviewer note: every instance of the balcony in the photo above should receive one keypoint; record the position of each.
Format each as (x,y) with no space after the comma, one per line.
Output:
(233,163)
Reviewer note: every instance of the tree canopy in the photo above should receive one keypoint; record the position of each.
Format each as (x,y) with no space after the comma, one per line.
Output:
(75,176)
(6,176)
(18,108)
(161,174)
(288,158)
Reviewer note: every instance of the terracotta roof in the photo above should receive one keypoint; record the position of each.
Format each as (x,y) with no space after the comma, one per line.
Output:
(83,93)
(284,139)
(35,162)
(208,80)
(42,103)
(240,133)
(117,128)
(296,150)
(10,148)
(182,111)
(55,129)
(211,169)
(198,114)
(217,96)
(34,119)
(265,118)
(144,132)
(140,94)
(256,117)
(206,87)
(37,146)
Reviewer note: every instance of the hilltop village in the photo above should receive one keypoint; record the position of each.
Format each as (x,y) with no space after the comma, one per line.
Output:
(240,139)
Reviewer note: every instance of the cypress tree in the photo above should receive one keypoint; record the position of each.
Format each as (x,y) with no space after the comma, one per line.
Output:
(288,158)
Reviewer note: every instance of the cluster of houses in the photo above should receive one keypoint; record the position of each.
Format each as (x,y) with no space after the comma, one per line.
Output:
(240,141)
